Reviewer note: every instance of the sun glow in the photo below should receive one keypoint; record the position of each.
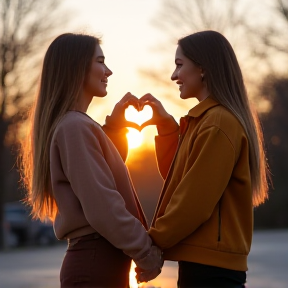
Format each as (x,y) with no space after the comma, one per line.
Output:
(135,138)
(132,279)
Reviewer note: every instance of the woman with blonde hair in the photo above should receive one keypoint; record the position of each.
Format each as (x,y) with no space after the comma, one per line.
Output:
(213,164)
(75,174)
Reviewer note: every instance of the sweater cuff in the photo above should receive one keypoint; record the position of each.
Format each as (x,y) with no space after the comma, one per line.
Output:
(110,126)
(154,259)
(168,137)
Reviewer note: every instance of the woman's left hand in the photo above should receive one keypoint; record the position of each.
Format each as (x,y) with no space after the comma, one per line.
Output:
(146,275)
(117,118)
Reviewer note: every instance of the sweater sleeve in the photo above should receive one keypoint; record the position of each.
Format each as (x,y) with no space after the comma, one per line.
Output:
(210,163)
(166,147)
(119,139)
(92,181)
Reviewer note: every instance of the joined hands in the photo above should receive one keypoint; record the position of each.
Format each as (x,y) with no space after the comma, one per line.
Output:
(149,267)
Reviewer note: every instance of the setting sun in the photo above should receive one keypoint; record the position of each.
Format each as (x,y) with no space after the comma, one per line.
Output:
(132,278)
(135,138)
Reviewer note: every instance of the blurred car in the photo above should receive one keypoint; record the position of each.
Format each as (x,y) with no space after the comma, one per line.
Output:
(21,230)
(42,233)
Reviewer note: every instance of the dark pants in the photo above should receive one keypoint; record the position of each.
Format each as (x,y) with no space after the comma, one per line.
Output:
(91,261)
(194,275)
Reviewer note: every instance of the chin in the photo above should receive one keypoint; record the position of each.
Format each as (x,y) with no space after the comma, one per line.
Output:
(183,96)
(101,94)
(186,96)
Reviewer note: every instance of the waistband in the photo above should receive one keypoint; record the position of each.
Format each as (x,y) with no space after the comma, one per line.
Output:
(73,241)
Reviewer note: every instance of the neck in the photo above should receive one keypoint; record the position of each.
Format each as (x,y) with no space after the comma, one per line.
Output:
(83,103)
(203,95)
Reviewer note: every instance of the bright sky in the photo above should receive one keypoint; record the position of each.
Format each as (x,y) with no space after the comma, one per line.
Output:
(129,44)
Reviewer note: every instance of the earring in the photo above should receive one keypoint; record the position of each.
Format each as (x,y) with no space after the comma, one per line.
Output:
(202,77)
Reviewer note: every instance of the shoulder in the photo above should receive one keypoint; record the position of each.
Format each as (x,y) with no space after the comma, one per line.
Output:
(222,118)
(74,121)
(77,126)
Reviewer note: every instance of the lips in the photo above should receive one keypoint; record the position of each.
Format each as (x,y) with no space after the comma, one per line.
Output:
(180,84)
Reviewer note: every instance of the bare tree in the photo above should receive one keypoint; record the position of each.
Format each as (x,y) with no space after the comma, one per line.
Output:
(180,18)
(274,214)
(25,27)
(238,21)
(188,16)
(276,34)
(269,41)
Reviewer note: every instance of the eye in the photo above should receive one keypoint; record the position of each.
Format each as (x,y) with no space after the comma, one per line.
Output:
(178,65)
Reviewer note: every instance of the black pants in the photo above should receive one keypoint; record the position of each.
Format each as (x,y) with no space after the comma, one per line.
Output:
(194,275)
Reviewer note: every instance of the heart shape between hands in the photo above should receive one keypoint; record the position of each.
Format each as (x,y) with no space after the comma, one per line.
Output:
(138,117)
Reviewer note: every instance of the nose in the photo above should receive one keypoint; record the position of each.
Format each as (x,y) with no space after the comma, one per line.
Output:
(174,75)
(108,72)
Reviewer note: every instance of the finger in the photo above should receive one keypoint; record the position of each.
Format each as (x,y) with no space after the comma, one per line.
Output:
(147,97)
(139,279)
(149,275)
(128,96)
(138,270)
(147,123)
(132,101)
(141,106)
(135,103)
(153,103)
(132,125)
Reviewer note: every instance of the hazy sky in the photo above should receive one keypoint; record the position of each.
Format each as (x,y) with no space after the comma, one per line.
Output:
(129,42)
(128,39)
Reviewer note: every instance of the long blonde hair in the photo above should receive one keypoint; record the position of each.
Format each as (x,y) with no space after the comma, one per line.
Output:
(214,54)
(65,66)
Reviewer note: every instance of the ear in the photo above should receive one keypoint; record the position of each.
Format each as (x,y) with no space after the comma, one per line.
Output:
(202,73)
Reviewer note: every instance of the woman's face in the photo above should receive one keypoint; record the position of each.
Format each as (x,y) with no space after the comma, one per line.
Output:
(97,78)
(188,76)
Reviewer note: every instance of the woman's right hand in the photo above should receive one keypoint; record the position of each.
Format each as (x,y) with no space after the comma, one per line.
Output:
(117,118)
(165,123)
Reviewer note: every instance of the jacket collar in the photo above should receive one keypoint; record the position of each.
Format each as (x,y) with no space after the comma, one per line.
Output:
(202,107)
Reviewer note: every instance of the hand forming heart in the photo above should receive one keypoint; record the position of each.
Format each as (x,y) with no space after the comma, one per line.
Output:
(164,121)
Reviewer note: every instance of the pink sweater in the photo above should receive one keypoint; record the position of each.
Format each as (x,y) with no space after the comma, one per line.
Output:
(92,186)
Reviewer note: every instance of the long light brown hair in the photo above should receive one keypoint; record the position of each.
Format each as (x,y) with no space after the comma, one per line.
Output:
(222,74)
(65,66)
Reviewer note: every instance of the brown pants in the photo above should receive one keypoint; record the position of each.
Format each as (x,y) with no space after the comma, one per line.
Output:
(91,261)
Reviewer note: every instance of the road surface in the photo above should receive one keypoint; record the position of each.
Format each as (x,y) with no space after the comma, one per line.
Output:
(39,267)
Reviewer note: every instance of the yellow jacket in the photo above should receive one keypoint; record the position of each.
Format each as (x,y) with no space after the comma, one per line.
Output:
(205,212)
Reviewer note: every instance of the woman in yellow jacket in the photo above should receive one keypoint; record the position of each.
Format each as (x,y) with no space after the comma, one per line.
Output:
(213,164)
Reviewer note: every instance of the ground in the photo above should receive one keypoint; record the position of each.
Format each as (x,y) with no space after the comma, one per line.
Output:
(39,267)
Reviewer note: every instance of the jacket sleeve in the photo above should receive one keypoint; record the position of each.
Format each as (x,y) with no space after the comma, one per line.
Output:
(210,166)
(92,182)
(166,147)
